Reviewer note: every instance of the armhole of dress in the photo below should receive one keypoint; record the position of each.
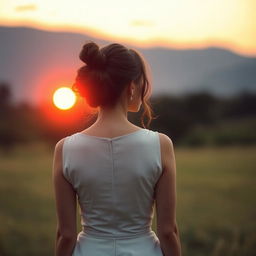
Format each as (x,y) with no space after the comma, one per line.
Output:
(65,159)
(159,151)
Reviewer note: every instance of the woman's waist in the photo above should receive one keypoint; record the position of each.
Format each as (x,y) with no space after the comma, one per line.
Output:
(114,234)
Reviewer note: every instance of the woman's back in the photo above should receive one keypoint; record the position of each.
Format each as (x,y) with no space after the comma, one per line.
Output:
(114,179)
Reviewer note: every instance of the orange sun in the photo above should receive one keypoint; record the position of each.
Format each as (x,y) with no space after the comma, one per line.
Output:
(64,98)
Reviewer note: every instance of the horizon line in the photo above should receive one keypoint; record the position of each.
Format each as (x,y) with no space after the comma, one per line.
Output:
(147,44)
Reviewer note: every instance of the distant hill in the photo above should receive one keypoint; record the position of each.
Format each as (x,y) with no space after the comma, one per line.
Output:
(30,57)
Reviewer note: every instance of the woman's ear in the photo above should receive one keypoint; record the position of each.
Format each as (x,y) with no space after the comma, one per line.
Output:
(131,89)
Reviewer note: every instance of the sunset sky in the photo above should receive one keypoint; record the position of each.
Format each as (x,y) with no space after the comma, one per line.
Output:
(177,24)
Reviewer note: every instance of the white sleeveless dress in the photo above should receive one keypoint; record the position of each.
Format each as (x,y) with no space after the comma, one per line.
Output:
(114,179)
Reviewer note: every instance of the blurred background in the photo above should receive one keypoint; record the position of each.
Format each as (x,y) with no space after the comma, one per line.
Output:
(202,59)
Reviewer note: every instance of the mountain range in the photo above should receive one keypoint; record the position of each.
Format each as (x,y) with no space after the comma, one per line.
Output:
(32,60)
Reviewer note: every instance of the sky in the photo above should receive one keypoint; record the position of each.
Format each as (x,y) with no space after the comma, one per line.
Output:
(176,24)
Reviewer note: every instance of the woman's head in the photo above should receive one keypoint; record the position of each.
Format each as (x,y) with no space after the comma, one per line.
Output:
(111,71)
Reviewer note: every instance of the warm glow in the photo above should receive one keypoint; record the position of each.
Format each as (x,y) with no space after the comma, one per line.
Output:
(64,98)
(178,24)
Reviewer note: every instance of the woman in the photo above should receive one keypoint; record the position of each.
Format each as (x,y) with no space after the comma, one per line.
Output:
(115,169)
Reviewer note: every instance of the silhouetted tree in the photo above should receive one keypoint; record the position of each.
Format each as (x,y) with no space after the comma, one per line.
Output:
(244,104)
(201,108)
(5,96)
(7,137)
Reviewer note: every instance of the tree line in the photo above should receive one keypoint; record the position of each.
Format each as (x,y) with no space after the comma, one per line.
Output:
(193,119)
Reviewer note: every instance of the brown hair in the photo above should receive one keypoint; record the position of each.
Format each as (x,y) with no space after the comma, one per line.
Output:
(106,74)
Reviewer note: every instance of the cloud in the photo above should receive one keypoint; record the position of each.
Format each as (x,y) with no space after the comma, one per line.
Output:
(142,23)
(27,7)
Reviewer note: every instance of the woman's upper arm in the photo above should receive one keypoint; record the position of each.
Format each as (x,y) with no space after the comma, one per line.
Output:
(65,196)
(165,190)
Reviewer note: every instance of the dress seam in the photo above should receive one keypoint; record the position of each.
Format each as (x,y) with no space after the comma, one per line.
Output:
(112,181)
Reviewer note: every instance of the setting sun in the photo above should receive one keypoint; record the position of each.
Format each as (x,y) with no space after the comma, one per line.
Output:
(64,98)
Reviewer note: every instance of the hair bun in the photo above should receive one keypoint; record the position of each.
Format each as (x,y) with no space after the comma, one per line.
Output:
(92,56)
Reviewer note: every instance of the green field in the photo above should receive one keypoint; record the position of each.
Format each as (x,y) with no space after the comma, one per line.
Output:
(216,210)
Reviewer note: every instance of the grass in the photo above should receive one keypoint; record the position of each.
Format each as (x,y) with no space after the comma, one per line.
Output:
(215,201)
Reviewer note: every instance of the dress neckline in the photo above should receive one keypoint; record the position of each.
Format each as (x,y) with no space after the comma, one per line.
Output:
(113,138)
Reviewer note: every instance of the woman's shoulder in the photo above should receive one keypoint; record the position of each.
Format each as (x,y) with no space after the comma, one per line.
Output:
(165,142)
(59,144)
(164,138)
